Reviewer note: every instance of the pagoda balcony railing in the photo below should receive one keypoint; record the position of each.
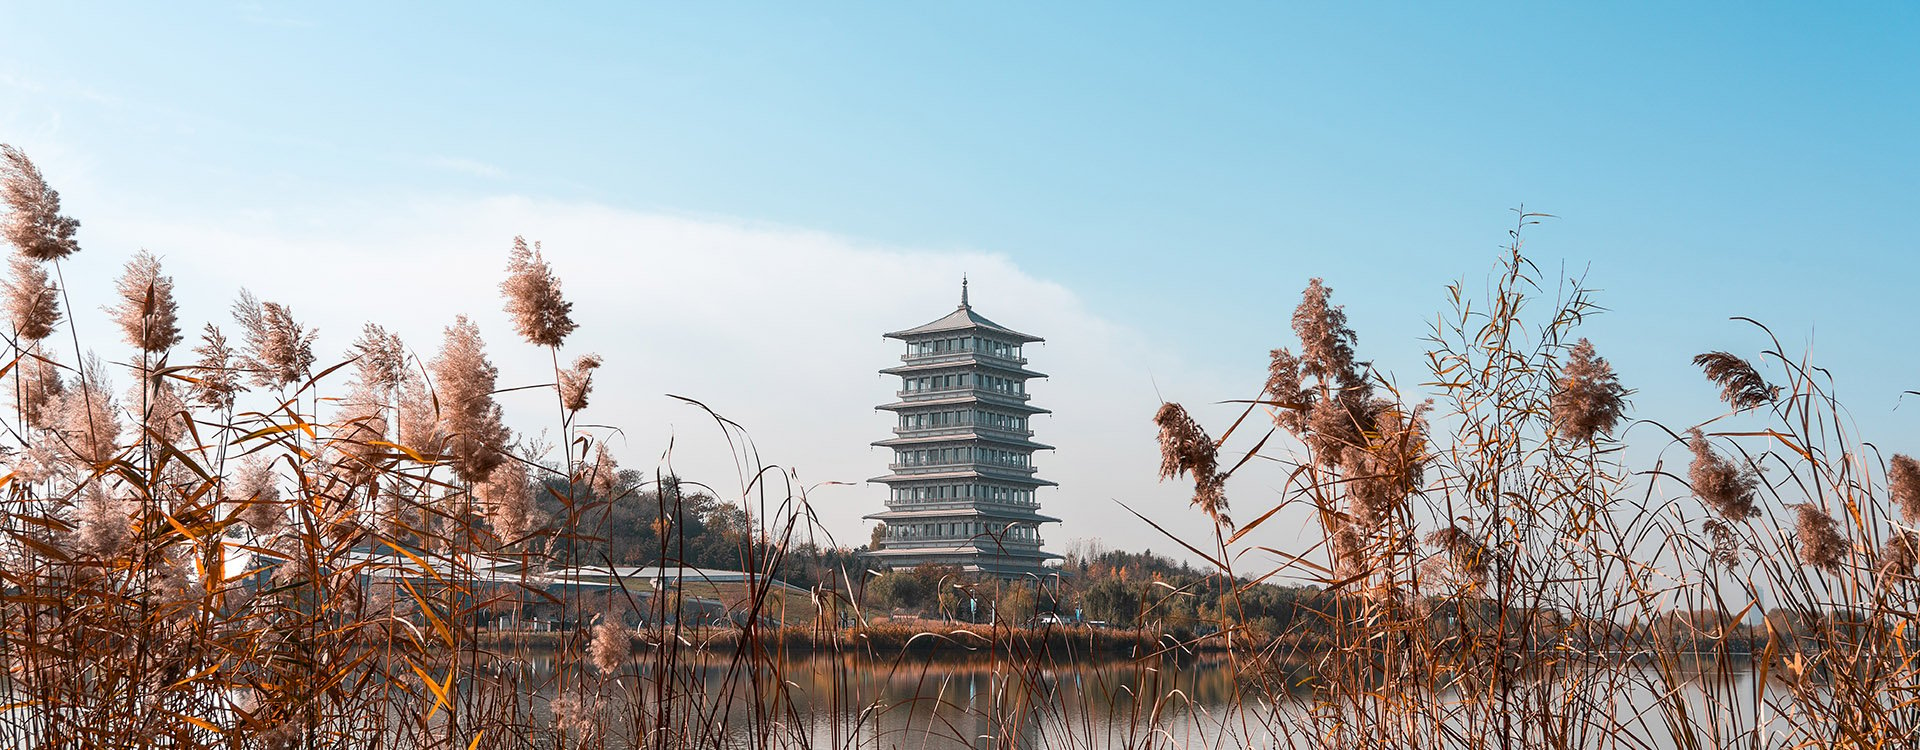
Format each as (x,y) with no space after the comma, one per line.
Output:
(958,503)
(950,429)
(986,540)
(959,356)
(951,392)
(937,468)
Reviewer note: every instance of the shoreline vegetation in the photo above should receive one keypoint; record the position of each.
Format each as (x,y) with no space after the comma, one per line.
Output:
(227,535)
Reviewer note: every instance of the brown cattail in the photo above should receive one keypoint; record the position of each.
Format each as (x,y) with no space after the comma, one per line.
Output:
(147,314)
(215,382)
(506,497)
(1903,482)
(576,383)
(1740,385)
(105,523)
(1725,488)
(1821,544)
(278,350)
(33,301)
(612,645)
(469,418)
(256,488)
(33,222)
(1185,448)
(1589,400)
(539,312)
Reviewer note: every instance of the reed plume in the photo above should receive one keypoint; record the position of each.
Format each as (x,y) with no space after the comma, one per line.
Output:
(1728,490)
(1392,465)
(1899,555)
(1740,385)
(612,645)
(1590,400)
(469,419)
(576,383)
(41,388)
(506,498)
(1903,482)
(1186,449)
(105,523)
(33,222)
(603,480)
(216,383)
(1466,556)
(278,351)
(539,312)
(90,417)
(33,301)
(1821,544)
(147,314)
(258,492)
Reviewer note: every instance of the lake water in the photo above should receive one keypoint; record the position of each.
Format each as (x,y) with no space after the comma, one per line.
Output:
(945,703)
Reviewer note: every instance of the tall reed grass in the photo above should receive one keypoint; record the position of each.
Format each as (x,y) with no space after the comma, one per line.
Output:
(248,544)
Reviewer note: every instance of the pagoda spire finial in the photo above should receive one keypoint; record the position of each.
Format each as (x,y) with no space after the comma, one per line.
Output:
(963,290)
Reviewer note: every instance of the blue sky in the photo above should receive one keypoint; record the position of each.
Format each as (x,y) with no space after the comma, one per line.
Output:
(1170,175)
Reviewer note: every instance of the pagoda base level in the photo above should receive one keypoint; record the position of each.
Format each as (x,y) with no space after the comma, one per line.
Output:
(1002,566)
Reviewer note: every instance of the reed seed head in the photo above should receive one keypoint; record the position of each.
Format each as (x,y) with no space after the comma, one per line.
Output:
(1391,467)
(258,491)
(1589,400)
(90,417)
(1900,554)
(470,421)
(506,498)
(41,388)
(148,315)
(105,523)
(1740,384)
(1821,544)
(1727,489)
(1903,482)
(576,383)
(1466,556)
(33,222)
(216,382)
(1326,343)
(612,645)
(1186,449)
(278,350)
(33,301)
(539,312)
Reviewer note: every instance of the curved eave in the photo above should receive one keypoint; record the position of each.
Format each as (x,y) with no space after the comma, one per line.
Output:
(986,362)
(963,319)
(967,474)
(963,401)
(984,437)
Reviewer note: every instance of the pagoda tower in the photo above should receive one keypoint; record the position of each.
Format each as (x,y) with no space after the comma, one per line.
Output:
(961,491)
